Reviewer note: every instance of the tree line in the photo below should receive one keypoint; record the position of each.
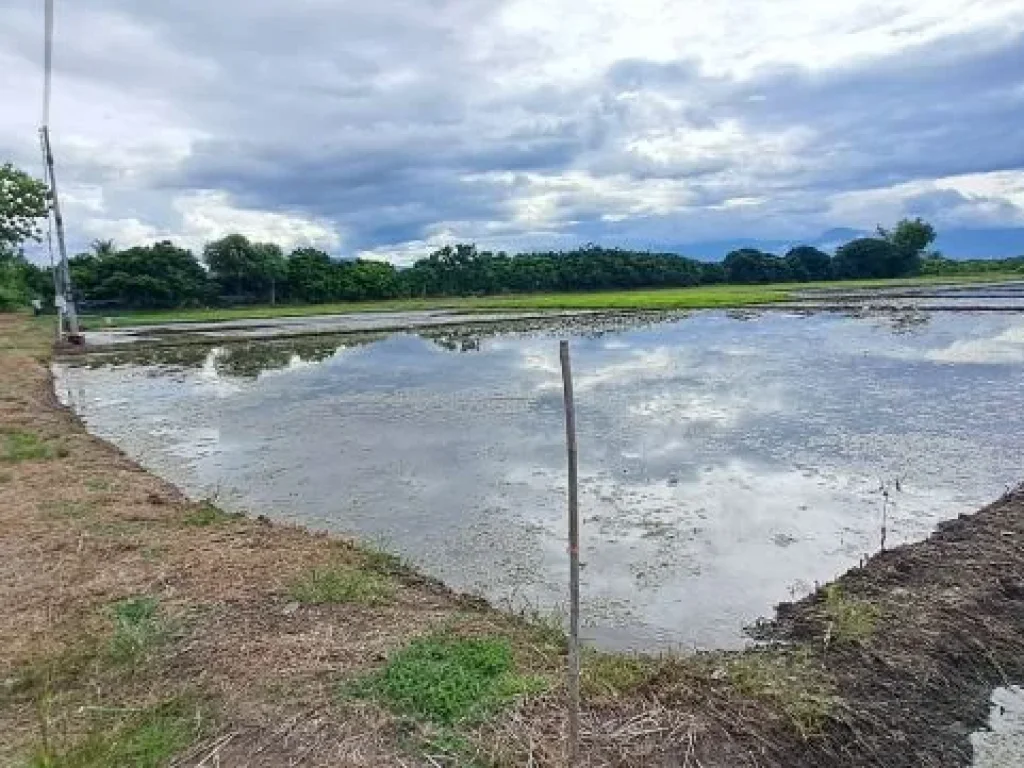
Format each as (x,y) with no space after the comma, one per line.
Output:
(237,270)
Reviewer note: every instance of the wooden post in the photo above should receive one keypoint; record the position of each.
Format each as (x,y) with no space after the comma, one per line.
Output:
(573,672)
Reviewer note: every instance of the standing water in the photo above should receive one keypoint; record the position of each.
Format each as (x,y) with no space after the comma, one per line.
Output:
(1002,744)
(727,461)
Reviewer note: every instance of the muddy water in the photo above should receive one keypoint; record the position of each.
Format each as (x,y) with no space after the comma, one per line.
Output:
(728,461)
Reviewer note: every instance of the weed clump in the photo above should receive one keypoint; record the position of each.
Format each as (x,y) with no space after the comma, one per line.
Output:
(611,675)
(142,739)
(447,680)
(849,620)
(342,585)
(793,680)
(19,445)
(138,628)
(206,514)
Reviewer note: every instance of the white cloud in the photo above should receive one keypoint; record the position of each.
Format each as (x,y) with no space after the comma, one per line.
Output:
(978,199)
(209,215)
(125,233)
(575,38)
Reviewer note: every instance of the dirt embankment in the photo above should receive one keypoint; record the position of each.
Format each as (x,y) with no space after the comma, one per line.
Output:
(138,628)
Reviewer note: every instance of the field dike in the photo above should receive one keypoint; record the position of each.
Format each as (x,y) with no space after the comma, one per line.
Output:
(138,628)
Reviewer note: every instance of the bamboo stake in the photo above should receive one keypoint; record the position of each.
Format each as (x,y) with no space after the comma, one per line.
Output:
(573,672)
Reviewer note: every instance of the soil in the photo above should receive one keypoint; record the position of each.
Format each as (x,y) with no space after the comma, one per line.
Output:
(892,665)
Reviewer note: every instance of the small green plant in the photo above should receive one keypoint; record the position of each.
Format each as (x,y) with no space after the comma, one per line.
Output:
(205,514)
(50,673)
(145,739)
(446,680)
(446,746)
(546,627)
(20,445)
(138,628)
(792,679)
(378,559)
(342,585)
(849,620)
(613,674)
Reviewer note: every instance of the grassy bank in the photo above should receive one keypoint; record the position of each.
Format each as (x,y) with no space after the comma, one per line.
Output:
(701,297)
(138,628)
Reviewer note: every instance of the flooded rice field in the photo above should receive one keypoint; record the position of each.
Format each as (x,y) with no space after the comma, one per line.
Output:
(727,460)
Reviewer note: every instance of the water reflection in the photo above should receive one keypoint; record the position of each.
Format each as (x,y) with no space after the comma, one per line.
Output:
(727,461)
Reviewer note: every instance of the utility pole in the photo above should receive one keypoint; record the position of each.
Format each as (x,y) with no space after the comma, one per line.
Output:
(64,295)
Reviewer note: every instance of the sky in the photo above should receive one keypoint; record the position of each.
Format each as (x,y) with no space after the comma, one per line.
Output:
(387,129)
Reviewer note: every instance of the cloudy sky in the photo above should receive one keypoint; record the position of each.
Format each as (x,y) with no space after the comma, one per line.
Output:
(386,128)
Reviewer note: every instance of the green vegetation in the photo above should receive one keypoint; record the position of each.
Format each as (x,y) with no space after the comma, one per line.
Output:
(138,629)
(446,680)
(701,297)
(24,201)
(20,445)
(206,513)
(342,585)
(241,271)
(148,738)
(849,620)
(450,747)
(792,679)
(611,675)
(160,275)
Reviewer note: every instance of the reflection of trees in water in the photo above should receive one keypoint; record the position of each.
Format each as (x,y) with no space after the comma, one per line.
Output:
(250,359)
(743,315)
(188,356)
(468,338)
(247,358)
(243,359)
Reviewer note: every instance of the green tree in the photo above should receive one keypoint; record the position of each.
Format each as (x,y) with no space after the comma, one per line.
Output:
(866,257)
(749,265)
(232,262)
(24,202)
(807,263)
(310,275)
(159,275)
(909,239)
(246,269)
(272,267)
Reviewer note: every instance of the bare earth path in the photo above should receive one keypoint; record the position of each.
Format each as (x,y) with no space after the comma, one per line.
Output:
(138,628)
